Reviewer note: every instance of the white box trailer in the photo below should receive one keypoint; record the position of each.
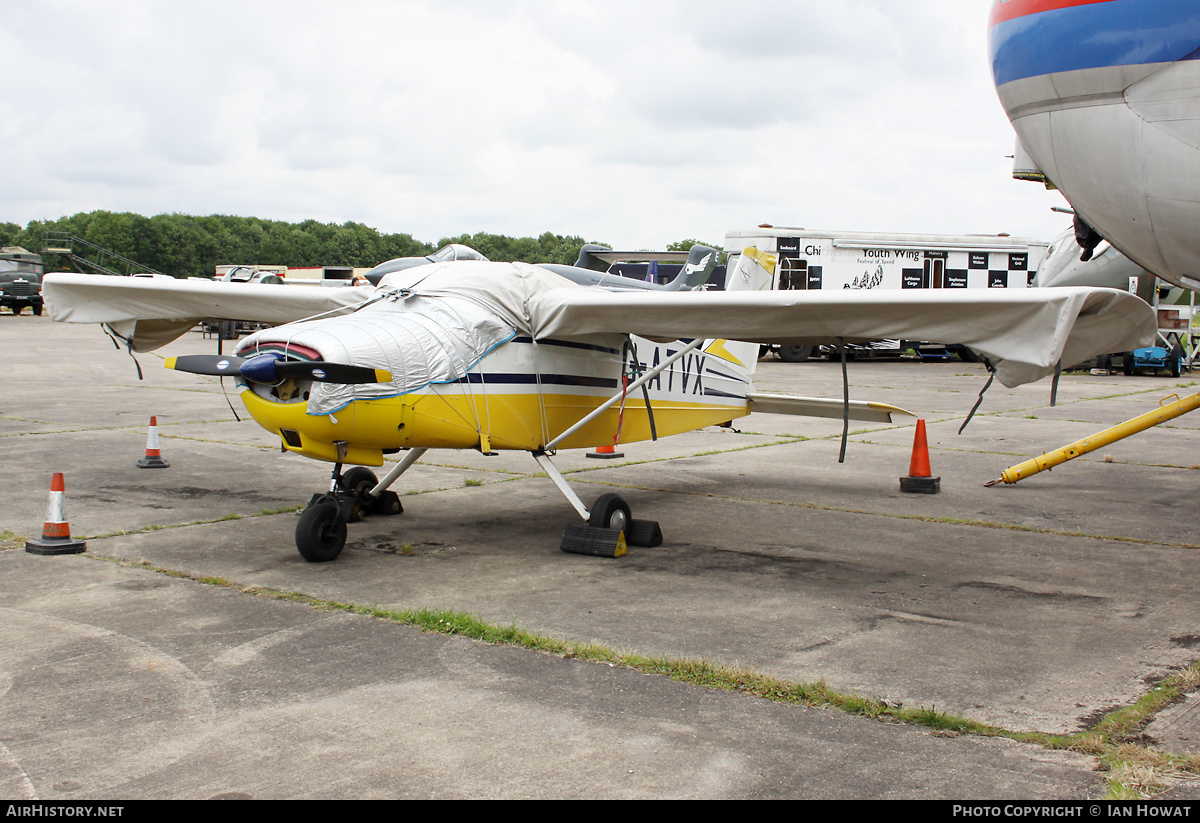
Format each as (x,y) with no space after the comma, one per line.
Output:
(809,259)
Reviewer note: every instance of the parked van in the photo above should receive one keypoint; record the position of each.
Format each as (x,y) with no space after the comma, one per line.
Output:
(876,260)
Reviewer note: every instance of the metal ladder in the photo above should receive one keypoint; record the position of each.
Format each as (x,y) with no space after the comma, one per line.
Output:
(106,262)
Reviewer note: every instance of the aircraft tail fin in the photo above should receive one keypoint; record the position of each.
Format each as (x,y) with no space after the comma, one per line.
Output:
(754,271)
(701,262)
(587,257)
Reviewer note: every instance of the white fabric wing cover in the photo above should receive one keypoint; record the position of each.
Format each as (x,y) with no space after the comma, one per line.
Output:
(151,312)
(1026,332)
(431,324)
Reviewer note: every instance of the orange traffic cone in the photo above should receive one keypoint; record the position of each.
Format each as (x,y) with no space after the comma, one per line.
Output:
(605,453)
(153,458)
(56,534)
(919,480)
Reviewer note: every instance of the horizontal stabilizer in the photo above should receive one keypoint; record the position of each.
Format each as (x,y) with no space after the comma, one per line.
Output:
(823,407)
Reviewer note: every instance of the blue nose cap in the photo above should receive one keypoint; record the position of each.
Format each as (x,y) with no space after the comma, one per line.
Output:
(261,369)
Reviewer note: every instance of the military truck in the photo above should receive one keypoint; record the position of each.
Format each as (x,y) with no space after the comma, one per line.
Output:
(20,279)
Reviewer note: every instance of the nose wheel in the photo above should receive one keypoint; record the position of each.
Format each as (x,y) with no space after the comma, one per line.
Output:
(321,532)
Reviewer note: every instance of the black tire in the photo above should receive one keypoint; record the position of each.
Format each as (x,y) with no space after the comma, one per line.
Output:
(359,481)
(321,532)
(795,354)
(16,310)
(610,511)
(1127,363)
(37,310)
(1175,364)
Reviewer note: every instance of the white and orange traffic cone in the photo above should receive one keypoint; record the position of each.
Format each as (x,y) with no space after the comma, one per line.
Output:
(56,534)
(153,458)
(605,453)
(920,479)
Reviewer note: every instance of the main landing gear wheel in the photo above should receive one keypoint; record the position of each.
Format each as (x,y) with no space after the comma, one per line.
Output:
(610,511)
(321,532)
(358,483)
(795,354)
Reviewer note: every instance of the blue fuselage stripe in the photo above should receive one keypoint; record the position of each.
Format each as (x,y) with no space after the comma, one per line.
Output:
(523,379)
(1095,35)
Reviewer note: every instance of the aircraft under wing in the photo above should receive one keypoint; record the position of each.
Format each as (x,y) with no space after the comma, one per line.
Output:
(1025,332)
(151,312)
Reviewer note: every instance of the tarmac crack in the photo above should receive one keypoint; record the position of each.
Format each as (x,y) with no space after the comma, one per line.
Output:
(1051,596)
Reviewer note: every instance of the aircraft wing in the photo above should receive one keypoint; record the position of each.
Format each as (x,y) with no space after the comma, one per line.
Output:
(151,312)
(1025,332)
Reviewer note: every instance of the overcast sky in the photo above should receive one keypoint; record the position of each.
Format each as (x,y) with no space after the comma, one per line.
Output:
(633,123)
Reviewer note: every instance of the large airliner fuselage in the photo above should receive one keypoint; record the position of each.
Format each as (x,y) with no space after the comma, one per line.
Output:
(1105,98)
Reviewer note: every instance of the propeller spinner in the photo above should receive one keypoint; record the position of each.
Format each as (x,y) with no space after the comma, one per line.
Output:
(271,369)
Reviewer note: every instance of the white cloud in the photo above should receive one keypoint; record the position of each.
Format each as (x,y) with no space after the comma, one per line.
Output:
(637,123)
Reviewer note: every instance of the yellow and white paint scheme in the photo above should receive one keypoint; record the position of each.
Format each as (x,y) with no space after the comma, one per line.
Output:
(525,393)
(521,396)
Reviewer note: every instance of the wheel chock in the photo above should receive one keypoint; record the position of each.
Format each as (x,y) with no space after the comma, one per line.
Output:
(56,533)
(644,533)
(581,538)
(387,503)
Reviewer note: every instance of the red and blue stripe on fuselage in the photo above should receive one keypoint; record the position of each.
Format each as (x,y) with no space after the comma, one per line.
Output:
(1029,38)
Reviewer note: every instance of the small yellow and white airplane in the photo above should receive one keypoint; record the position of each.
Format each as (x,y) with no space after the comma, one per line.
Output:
(471,354)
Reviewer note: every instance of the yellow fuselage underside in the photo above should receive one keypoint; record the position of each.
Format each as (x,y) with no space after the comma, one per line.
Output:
(449,419)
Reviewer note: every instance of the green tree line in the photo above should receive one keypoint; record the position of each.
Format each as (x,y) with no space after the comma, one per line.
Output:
(188,246)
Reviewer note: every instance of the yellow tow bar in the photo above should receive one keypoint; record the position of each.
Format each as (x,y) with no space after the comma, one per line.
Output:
(1166,411)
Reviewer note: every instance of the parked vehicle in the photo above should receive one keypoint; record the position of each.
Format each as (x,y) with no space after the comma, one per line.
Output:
(1157,358)
(825,260)
(20,279)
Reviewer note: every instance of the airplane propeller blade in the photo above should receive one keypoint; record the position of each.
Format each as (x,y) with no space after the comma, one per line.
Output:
(270,369)
(206,364)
